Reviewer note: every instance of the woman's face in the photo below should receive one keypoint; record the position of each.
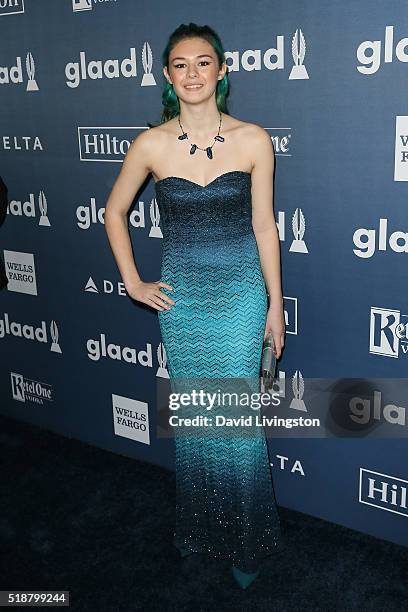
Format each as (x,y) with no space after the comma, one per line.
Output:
(193,69)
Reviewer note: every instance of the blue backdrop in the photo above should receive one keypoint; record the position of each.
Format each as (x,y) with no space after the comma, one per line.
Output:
(78,81)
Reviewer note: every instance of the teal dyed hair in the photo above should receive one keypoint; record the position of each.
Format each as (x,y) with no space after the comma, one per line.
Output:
(171,106)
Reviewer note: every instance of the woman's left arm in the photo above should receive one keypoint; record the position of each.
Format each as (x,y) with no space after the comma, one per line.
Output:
(266,232)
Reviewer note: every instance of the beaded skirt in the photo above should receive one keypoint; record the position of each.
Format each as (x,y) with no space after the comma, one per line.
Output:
(225,501)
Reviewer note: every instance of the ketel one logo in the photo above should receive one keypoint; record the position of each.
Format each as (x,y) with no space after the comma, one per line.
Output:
(15,73)
(388,332)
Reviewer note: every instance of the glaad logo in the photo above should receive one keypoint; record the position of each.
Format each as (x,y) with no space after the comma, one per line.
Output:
(272,58)
(11,7)
(369,64)
(383,491)
(401,149)
(107,287)
(131,418)
(362,412)
(91,215)
(17,208)
(298,227)
(98,348)
(20,270)
(15,73)
(365,240)
(387,332)
(75,72)
(39,334)
(28,390)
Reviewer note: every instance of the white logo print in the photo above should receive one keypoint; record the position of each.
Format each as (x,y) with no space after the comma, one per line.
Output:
(99,69)
(365,240)
(28,390)
(298,53)
(20,269)
(27,209)
(371,62)
(131,418)
(386,493)
(107,287)
(155,231)
(15,73)
(81,5)
(298,388)
(147,62)
(272,58)
(162,359)
(29,332)
(298,227)
(401,149)
(387,332)
(11,7)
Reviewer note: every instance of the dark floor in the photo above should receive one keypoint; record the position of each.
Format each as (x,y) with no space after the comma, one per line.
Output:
(74,517)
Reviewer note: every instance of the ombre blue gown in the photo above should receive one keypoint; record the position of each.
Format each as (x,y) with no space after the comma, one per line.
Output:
(225,501)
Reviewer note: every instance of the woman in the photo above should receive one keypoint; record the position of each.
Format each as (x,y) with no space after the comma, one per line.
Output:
(214,188)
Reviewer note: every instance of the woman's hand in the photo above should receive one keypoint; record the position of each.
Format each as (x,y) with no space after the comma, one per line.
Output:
(275,323)
(150,294)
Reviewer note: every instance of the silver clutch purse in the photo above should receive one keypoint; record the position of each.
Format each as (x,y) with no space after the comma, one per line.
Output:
(268,361)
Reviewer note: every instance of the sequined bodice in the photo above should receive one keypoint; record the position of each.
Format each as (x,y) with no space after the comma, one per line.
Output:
(190,212)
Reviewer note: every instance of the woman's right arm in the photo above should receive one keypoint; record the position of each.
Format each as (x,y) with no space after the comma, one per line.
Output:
(135,168)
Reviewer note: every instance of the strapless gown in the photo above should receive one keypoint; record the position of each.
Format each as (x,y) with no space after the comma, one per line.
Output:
(225,501)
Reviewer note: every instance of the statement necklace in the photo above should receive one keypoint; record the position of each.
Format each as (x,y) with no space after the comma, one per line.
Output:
(194,147)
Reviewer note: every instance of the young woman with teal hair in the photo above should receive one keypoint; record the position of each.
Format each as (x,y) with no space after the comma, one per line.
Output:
(214,189)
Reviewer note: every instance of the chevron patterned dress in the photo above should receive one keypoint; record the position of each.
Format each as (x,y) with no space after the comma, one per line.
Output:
(213,334)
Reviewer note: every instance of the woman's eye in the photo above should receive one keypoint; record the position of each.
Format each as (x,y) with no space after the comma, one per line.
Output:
(181,65)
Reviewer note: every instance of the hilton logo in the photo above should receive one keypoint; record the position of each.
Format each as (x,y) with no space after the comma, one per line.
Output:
(383,491)
(105,144)
(11,7)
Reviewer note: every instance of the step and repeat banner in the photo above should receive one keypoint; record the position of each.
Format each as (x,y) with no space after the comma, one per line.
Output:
(79,80)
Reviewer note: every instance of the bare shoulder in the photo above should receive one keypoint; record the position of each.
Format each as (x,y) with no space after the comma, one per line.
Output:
(257,140)
(147,143)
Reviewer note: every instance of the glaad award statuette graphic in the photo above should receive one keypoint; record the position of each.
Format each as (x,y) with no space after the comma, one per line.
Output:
(155,231)
(298,227)
(298,388)
(30,67)
(42,205)
(55,347)
(298,53)
(147,62)
(162,359)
